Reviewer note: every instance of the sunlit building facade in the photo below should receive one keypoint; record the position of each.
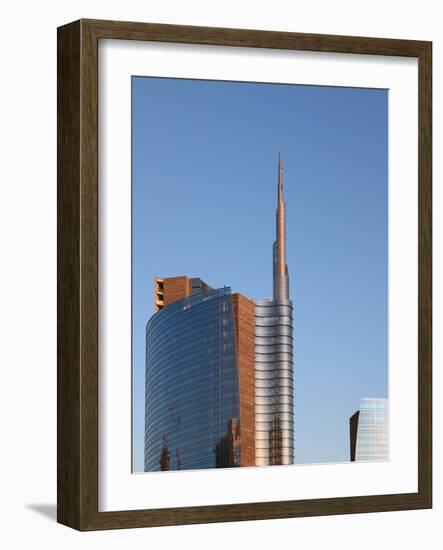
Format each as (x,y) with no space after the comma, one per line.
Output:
(199,395)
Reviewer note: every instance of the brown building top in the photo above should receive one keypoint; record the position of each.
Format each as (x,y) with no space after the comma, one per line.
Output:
(168,290)
(244,320)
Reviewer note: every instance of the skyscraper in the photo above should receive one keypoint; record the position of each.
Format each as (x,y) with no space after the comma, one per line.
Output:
(369,431)
(199,367)
(274,401)
(219,369)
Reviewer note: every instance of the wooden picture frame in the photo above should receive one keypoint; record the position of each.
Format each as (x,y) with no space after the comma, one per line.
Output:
(77,454)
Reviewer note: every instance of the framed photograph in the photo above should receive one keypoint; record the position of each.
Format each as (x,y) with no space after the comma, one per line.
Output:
(244,275)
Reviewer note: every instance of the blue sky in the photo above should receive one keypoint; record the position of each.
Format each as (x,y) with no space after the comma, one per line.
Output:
(204,199)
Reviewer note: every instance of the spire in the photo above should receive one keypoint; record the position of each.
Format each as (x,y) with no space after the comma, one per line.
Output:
(280,268)
(281,223)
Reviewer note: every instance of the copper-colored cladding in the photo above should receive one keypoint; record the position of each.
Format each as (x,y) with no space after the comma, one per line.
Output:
(170,289)
(245,335)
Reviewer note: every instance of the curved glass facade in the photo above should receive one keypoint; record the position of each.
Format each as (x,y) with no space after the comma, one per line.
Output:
(274,385)
(192,391)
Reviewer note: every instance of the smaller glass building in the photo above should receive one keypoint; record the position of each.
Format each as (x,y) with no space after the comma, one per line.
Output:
(369,431)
